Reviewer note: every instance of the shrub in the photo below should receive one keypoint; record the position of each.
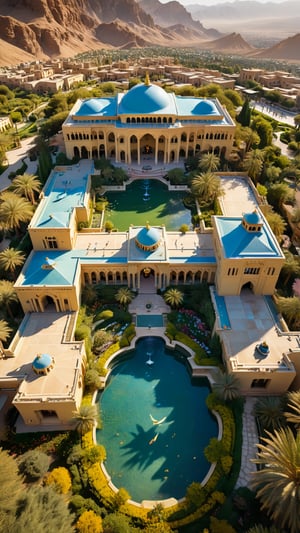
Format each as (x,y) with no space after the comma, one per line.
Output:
(105,315)
(34,464)
(60,479)
(89,522)
(214,450)
(82,332)
(92,379)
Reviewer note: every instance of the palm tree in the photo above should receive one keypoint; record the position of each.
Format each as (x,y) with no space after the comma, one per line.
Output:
(262,529)
(206,187)
(290,268)
(293,403)
(269,411)
(290,308)
(278,480)
(8,295)
(173,297)
(253,164)
(277,224)
(14,210)
(10,259)
(124,296)
(26,185)
(5,330)
(86,418)
(209,162)
(227,387)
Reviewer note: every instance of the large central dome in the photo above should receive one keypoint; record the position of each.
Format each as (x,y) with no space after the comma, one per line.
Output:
(146,98)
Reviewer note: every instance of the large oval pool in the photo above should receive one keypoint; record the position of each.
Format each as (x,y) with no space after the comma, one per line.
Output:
(155,423)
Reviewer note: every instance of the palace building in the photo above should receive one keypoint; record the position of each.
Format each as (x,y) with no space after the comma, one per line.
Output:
(147,121)
(42,371)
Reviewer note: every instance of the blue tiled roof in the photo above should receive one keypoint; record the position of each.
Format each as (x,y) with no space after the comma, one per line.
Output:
(238,242)
(188,106)
(97,106)
(61,272)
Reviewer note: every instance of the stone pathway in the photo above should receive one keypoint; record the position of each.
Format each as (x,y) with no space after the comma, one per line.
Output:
(249,446)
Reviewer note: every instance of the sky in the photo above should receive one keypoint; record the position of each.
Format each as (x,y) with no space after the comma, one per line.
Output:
(212,2)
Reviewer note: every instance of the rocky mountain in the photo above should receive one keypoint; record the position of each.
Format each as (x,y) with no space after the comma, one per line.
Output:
(270,20)
(288,49)
(233,43)
(46,28)
(173,13)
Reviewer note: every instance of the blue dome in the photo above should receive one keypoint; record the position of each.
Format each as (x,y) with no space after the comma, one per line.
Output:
(252,218)
(42,361)
(96,106)
(148,239)
(205,108)
(144,99)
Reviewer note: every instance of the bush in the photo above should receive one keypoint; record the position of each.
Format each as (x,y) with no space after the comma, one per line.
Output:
(89,522)
(92,380)
(60,479)
(82,332)
(34,464)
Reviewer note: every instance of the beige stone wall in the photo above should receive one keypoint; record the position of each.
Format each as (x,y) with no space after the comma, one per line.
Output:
(37,299)
(276,382)
(32,411)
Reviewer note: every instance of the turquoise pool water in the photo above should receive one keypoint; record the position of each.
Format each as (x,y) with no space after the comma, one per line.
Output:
(144,321)
(137,395)
(222,311)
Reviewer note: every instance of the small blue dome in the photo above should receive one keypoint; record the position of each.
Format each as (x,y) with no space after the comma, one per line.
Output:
(252,218)
(205,108)
(42,361)
(148,239)
(144,98)
(92,106)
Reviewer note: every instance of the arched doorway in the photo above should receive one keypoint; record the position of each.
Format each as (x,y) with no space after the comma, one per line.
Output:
(147,147)
(147,280)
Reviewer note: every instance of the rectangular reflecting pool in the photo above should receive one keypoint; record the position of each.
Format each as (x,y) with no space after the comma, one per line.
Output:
(144,321)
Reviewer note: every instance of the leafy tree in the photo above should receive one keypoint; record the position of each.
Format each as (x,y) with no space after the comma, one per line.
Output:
(278,194)
(10,259)
(8,295)
(247,136)
(291,267)
(10,482)
(206,187)
(14,210)
(116,523)
(26,185)
(184,228)
(277,224)
(34,464)
(53,124)
(60,479)
(173,297)
(124,296)
(244,116)
(227,387)
(290,308)
(264,130)
(214,450)
(269,411)
(278,480)
(195,494)
(86,417)
(89,522)
(41,509)
(5,330)
(101,338)
(92,380)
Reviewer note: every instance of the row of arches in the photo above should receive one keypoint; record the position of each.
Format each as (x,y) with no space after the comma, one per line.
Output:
(184,137)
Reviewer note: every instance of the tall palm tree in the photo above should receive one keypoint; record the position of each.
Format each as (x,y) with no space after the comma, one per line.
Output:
(124,296)
(86,418)
(227,387)
(10,259)
(253,164)
(277,224)
(291,267)
(278,480)
(293,403)
(14,210)
(209,162)
(26,185)
(8,295)
(290,308)
(206,187)
(173,297)
(5,330)
(269,411)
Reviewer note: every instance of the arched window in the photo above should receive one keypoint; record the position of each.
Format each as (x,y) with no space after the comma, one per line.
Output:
(111,137)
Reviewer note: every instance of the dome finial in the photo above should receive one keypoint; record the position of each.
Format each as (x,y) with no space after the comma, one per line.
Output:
(147,79)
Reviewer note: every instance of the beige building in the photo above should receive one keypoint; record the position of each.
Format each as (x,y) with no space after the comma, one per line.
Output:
(147,122)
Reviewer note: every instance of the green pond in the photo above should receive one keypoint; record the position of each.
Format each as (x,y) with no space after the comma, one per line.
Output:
(147,201)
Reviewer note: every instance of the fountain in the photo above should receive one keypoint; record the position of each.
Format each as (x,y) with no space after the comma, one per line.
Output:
(263,348)
(146,187)
(149,360)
